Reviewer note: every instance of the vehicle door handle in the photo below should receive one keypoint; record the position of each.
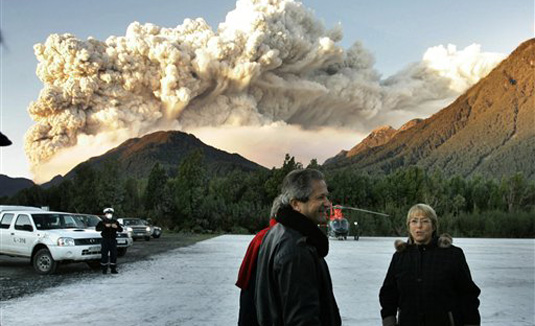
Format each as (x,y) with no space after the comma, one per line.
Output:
(12,233)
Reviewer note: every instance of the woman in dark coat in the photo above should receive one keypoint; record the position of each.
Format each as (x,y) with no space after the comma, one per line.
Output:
(428,282)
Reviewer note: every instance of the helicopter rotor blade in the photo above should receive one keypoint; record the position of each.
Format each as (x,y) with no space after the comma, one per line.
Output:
(363,210)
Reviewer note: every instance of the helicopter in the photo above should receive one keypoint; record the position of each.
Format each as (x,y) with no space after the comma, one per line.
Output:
(338,226)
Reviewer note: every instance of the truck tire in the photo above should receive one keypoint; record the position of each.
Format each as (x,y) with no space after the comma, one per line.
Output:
(43,263)
(121,252)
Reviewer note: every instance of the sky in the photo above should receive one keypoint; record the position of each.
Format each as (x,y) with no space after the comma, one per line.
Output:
(195,285)
(412,58)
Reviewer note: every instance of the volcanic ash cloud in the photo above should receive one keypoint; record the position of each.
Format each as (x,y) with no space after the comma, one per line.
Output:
(269,62)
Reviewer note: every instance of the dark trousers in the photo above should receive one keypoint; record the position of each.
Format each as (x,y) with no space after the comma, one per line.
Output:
(108,246)
(247,313)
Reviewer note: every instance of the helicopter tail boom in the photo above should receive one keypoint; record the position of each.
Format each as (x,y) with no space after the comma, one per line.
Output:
(361,210)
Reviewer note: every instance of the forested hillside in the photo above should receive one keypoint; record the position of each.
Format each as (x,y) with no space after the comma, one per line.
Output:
(239,202)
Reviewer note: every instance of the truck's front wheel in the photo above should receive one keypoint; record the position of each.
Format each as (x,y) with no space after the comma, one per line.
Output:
(43,263)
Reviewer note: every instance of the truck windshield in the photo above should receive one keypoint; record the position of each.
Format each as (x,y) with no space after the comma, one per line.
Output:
(89,221)
(132,221)
(56,221)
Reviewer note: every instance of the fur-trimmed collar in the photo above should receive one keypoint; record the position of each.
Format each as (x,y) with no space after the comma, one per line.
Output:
(443,241)
(288,217)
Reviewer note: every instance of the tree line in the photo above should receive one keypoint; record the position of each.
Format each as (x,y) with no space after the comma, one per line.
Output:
(197,200)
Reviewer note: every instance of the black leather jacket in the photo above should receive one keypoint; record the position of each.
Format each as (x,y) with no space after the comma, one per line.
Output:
(293,284)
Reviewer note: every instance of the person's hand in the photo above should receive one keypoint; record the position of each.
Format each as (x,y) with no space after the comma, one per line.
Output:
(114,225)
(108,225)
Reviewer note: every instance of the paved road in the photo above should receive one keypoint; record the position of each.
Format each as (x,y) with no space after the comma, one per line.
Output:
(194,286)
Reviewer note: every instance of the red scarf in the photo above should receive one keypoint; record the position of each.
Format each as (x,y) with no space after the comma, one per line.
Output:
(248,264)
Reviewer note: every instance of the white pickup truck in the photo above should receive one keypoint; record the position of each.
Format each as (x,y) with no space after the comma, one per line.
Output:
(48,238)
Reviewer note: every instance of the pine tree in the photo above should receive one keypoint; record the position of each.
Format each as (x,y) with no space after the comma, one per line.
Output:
(190,186)
(154,192)
(110,190)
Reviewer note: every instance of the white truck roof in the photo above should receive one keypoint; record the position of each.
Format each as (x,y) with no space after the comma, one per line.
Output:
(4,208)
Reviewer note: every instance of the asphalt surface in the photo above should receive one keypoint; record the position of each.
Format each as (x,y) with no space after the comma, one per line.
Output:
(18,278)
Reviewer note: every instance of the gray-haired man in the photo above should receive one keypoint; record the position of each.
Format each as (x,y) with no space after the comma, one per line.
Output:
(293,284)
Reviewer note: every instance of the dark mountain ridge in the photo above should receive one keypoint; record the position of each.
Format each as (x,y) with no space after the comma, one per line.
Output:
(137,156)
(10,186)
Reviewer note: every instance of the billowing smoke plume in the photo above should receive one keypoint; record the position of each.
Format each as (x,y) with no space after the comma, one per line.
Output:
(270,62)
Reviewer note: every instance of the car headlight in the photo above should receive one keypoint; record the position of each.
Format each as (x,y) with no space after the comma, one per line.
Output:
(148,228)
(64,242)
(129,229)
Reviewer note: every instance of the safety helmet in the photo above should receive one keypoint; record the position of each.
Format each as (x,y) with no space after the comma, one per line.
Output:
(108,210)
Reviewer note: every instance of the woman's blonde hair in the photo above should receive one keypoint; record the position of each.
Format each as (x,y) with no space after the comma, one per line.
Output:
(425,210)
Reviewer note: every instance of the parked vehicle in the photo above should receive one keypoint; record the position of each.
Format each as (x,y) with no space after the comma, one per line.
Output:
(124,239)
(156,230)
(4,208)
(48,239)
(139,228)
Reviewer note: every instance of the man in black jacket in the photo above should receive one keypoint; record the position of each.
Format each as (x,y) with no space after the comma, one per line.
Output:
(109,228)
(293,284)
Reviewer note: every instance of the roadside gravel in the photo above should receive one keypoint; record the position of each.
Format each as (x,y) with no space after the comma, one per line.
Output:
(18,279)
